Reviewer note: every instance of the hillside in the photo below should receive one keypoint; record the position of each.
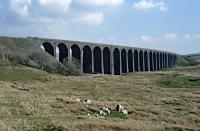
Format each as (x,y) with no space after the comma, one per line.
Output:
(23,51)
(188,60)
(32,99)
(195,57)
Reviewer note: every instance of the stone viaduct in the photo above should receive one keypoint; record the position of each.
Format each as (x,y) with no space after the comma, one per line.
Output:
(108,59)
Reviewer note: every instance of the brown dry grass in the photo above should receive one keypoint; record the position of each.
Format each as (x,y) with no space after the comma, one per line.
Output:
(52,103)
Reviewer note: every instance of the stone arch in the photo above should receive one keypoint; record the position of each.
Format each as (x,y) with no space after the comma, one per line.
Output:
(151,61)
(106,60)
(146,64)
(130,60)
(161,61)
(141,59)
(169,61)
(116,56)
(76,52)
(165,58)
(165,62)
(158,60)
(174,60)
(124,61)
(154,61)
(87,59)
(97,60)
(63,52)
(136,60)
(48,47)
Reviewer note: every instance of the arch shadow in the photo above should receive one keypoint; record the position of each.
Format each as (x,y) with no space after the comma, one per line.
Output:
(48,47)
(151,61)
(76,52)
(106,60)
(87,59)
(130,60)
(97,60)
(141,56)
(158,61)
(63,52)
(154,61)
(136,60)
(124,61)
(146,64)
(116,56)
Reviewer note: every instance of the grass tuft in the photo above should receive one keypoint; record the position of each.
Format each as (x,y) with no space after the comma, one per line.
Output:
(177,81)
(20,75)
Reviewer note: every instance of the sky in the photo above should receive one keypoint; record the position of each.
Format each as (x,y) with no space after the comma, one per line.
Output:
(169,25)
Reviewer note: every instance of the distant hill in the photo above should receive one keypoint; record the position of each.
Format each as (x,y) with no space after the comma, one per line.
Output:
(188,60)
(194,57)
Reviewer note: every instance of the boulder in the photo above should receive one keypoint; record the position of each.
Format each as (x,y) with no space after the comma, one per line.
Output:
(87,101)
(119,108)
(125,112)
(106,110)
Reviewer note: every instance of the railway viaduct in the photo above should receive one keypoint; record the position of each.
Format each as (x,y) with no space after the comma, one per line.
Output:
(108,59)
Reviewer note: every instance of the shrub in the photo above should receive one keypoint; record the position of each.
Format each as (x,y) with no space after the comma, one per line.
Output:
(73,66)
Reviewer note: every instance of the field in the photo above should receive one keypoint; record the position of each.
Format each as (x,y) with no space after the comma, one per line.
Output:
(32,99)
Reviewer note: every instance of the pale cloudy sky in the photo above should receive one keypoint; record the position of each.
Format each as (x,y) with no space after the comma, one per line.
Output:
(171,25)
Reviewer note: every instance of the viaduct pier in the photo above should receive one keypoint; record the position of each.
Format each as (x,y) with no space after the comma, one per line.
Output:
(108,59)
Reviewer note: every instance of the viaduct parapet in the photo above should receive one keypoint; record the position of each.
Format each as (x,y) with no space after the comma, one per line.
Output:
(108,59)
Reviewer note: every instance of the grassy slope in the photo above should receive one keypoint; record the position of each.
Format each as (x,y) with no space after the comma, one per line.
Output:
(23,51)
(189,60)
(196,57)
(53,101)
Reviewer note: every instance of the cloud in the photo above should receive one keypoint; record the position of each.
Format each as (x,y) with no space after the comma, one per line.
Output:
(20,7)
(91,18)
(89,12)
(146,38)
(196,35)
(92,12)
(102,3)
(62,4)
(170,36)
(149,4)
(187,36)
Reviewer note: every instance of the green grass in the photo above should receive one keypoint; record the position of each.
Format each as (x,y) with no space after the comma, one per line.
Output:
(20,75)
(179,82)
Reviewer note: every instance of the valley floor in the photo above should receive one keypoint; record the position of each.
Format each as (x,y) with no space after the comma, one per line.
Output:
(31,99)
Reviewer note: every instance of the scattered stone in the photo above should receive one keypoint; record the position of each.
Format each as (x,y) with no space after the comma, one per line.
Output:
(20,88)
(99,116)
(87,101)
(125,112)
(106,110)
(103,112)
(164,123)
(119,108)
(78,100)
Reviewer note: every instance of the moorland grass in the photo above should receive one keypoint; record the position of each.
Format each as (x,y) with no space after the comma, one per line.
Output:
(19,74)
(52,105)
